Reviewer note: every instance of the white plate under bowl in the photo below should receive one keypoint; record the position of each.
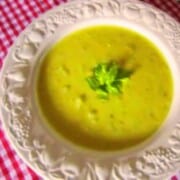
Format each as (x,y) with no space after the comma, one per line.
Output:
(157,158)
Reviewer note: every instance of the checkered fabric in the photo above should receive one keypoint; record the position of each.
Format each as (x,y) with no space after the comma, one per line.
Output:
(15,15)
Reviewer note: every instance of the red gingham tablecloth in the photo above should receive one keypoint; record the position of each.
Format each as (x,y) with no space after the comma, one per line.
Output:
(15,15)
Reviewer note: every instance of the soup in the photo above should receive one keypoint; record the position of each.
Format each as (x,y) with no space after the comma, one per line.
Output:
(74,110)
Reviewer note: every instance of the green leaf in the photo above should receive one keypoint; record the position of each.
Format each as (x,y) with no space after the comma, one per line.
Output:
(102,94)
(112,74)
(113,90)
(99,70)
(93,83)
(123,73)
(108,78)
(100,73)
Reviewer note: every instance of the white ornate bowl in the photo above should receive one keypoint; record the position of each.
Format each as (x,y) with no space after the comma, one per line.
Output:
(157,158)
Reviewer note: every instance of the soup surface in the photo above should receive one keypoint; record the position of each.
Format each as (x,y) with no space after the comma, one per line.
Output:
(74,111)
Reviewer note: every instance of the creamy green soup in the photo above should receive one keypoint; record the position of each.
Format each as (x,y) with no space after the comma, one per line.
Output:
(74,111)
